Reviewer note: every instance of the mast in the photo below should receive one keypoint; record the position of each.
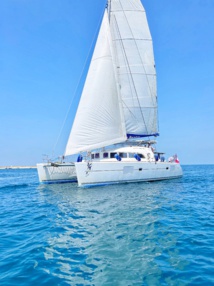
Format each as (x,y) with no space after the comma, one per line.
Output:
(109,9)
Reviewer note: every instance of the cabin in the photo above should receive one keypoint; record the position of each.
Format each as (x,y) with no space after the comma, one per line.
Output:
(124,154)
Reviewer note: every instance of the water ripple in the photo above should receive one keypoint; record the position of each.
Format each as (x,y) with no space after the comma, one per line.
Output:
(159,233)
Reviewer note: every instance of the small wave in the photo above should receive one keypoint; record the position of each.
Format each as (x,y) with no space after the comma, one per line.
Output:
(14,186)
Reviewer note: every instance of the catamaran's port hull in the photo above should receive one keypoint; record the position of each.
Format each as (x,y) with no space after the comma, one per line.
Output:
(56,173)
(102,173)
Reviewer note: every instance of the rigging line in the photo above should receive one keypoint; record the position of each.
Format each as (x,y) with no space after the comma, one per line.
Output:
(109,10)
(78,83)
(102,57)
(133,38)
(129,110)
(127,59)
(131,75)
(131,82)
(127,73)
(117,62)
(113,57)
(141,61)
(135,5)
(155,75)
(140,39)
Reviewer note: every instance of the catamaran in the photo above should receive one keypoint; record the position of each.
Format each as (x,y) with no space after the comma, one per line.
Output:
(116,120)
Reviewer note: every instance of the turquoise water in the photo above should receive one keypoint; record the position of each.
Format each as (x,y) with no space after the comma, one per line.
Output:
(159,233)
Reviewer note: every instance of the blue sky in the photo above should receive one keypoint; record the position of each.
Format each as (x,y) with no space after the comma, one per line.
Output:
(44,48)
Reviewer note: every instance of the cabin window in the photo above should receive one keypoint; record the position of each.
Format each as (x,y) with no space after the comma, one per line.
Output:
(112,154)
(123,155)
(92,156)
(97,155)
(140,155)
(131,155)
(105,155)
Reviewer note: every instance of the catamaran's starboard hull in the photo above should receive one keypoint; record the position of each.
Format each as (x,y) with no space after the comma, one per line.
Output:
(61,173)
(103,173)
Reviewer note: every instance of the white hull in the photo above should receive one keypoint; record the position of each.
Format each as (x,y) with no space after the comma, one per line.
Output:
(102,173)
(60,173)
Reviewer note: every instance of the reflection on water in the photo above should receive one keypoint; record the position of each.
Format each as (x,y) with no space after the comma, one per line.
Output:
(114,235)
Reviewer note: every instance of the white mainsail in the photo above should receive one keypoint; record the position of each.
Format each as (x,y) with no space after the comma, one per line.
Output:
(99,120)
(135,65)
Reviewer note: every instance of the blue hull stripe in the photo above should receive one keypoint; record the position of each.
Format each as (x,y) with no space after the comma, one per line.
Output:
(58,181)
(141,135)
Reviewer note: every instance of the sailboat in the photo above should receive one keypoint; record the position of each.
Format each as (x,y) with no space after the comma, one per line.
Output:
(116,120)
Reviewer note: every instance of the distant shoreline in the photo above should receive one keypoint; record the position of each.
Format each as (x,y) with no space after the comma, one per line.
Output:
(17,167)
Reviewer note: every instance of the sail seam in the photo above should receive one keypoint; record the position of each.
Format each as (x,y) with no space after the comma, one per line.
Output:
(137,72)
(131,39)
(134,40)
(113,57)
(131,113)
(145,107)
(128,66)
(127,10)
(98,58)
(136,7)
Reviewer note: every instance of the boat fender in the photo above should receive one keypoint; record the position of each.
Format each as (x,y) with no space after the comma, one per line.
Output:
(137,157)
(79,158)
(156,157)
(116,156)
(162,159)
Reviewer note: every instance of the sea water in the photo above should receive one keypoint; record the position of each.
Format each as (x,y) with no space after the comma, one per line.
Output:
(159,233)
